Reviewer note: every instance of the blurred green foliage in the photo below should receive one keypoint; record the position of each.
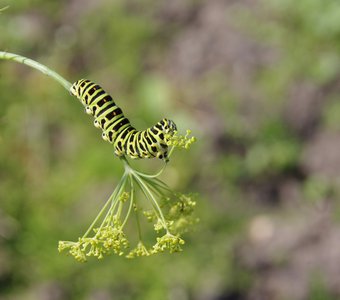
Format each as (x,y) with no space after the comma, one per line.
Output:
(56,172)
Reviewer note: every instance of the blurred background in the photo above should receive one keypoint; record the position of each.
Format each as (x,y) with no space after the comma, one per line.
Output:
(258,84)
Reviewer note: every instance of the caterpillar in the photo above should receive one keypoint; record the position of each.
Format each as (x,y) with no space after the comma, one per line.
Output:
(117,130)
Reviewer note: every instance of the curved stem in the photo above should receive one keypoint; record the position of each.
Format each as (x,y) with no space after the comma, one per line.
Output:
(129,169)
(152,175)
(35,65)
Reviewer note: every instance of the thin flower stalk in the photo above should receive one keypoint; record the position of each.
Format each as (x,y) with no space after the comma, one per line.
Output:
(35,65)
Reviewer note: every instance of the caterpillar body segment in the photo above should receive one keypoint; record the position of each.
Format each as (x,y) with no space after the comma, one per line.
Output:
(117,130)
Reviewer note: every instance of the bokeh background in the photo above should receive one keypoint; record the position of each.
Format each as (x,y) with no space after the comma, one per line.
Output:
(256,81)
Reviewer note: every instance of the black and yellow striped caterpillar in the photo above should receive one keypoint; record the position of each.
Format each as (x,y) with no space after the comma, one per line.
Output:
(151,142)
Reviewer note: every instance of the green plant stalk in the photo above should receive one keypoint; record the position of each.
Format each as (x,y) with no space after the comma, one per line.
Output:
(131,201)
(99,215)
(137,176)
(35,65)
(150,195)
(138,226)
(109,201)
(114,200)
(152,175)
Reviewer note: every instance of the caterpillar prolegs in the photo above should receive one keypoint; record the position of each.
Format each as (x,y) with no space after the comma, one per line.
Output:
(148,143)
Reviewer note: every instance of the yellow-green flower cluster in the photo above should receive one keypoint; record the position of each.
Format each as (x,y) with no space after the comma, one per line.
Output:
(172,214)
(108,240)
(168,242)
(182,141)
(181,212)
(178,212)
(140,250)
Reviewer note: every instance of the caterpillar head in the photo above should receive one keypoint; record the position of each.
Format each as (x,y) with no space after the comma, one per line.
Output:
(73,89)
(77,88)
(169,126)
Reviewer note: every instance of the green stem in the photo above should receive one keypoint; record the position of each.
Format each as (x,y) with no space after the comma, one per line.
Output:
(113,195)
(171,151)
(158,185)
(131,201)
(149,195)
(128,169)
(98,216)
(152,175)
(35,65)
(119,210)
(137,220)
(145,189)
(138,225)
(118,191)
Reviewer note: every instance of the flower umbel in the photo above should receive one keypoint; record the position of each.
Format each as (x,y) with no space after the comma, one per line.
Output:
(168,242)
(140,250)
(170,213)
(182,141)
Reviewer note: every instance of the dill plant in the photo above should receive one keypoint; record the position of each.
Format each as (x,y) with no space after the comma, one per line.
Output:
(171,213)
